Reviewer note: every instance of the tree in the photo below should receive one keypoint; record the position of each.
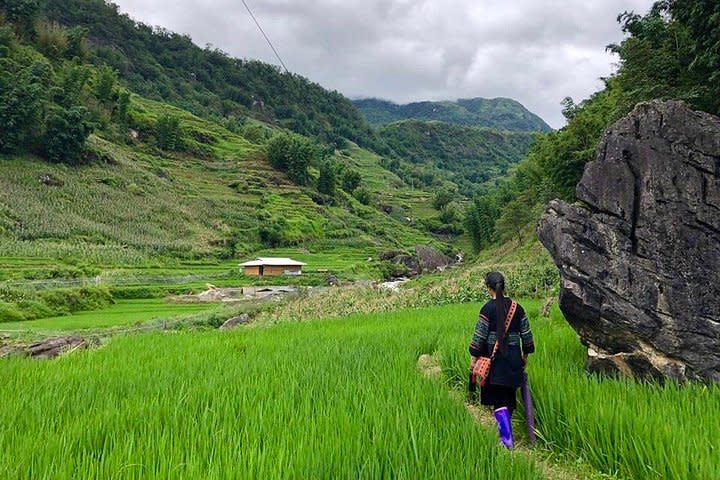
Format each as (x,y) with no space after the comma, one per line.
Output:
(326,181)
(22,92)
(278,151)
(701,19)
(293,155)
(515,216)
(167,132)
(66,133)
(104,82)
(351,180)
(78,47)
(480,219)
(122,114)
(442,198)
(70,84)
(303,153)
(52,40)
(20,12)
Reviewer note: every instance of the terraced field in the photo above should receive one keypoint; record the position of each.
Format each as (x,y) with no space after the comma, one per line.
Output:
(122,313)
(209,201)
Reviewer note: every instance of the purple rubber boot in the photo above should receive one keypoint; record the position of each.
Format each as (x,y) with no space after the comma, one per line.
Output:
(502,416)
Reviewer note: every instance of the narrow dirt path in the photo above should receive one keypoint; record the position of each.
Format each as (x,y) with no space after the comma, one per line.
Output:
(431,368)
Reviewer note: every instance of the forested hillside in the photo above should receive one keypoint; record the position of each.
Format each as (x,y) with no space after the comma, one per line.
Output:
(167,66)
(92,172)
(496,113)
(468,156)
(672,52)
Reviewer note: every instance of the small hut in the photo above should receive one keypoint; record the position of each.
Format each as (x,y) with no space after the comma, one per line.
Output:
(271,267)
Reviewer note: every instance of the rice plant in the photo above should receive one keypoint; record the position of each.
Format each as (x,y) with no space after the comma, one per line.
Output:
(619,426)
(304,400)
(334,399)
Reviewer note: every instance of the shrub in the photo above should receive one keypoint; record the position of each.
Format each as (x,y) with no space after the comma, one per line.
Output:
(33,309)
(273,233)
(10,313)
(438,226)
(145,292)
(450,213)
(66,133)
(256,133)
(74,300)
(351,180)
(389,270)
(363,195)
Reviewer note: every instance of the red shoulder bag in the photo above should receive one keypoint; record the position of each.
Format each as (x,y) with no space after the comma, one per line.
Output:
(481,369)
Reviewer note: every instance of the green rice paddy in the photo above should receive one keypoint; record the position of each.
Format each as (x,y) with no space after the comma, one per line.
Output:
(122,313)
(334,399)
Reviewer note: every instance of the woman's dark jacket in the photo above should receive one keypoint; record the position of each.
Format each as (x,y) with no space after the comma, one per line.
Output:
(507,368)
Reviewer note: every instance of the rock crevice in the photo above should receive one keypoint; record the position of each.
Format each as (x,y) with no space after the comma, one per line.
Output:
(640,254)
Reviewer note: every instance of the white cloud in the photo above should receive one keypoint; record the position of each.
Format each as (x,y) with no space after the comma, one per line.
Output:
(535,51)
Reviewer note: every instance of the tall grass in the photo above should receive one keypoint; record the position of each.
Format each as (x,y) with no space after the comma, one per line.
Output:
(333,399)
(631,429)
(311,400)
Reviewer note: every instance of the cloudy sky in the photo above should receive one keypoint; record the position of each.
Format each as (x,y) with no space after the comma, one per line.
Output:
(535,51)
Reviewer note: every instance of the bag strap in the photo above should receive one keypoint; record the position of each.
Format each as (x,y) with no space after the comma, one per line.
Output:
(508,321)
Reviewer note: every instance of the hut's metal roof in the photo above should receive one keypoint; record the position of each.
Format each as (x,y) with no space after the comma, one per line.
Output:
(272,262)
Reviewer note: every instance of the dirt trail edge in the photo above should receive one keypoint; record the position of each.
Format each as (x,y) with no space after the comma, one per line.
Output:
(553,470)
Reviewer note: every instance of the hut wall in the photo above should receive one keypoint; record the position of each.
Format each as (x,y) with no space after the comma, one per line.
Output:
(252,271)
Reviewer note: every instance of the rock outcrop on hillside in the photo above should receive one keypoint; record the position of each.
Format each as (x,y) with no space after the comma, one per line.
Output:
(640,257)
(425,260)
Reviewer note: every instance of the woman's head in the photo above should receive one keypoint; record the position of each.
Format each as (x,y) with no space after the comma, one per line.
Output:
(495,282)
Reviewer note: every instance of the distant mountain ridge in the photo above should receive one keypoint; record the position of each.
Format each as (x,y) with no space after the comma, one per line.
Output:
(495,113)
(467,155)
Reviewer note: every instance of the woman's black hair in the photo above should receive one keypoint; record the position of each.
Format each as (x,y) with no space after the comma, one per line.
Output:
(496,282)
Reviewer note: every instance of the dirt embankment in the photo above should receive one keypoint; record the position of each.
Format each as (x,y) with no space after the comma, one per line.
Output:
(215,294)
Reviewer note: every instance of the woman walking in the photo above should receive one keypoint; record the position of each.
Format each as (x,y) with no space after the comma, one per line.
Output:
(503,334)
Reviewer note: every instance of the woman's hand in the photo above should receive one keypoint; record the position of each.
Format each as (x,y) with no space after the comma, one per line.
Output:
(525,359)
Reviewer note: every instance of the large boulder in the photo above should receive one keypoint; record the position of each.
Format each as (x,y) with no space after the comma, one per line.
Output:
(640,255)
(432,260)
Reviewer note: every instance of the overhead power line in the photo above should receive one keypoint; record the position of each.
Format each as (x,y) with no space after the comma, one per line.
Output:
(266,37)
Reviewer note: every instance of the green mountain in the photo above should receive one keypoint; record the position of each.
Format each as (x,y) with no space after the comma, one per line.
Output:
(467,156)
(141,203)
(496,113)
(163,65)
(671,52)
(92,172)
